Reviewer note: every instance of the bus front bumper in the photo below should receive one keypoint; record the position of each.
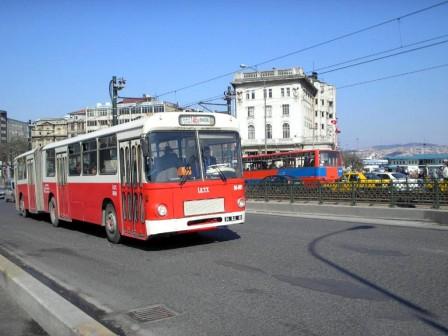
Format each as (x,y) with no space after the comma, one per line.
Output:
(194,223)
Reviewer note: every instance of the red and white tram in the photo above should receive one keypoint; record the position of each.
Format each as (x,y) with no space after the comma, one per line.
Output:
(171,172)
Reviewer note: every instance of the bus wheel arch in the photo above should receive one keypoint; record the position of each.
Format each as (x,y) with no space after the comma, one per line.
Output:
(111,222)
(53,211)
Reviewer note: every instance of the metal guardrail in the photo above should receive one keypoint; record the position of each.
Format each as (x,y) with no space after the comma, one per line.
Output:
(432,193)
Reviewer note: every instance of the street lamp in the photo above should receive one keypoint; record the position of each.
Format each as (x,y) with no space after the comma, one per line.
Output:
(245,66)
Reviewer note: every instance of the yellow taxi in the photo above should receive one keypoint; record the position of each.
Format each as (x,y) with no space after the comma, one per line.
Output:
(362,180)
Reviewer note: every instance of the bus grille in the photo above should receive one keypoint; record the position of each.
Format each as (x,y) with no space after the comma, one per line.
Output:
(202,207)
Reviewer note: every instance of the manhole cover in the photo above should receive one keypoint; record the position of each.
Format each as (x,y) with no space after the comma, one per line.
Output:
(150,314)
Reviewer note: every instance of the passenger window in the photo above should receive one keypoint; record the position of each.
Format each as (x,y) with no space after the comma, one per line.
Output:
(50,162)
(74,159)
(89,164)
(108,155)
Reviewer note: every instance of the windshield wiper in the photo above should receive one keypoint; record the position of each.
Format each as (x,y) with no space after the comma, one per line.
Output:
(221,174)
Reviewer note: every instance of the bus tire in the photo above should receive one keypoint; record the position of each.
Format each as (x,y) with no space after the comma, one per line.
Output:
(111,224)
(22,210)
(52,209)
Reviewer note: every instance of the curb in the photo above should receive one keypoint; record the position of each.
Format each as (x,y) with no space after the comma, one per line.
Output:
(54,314)
(381,213)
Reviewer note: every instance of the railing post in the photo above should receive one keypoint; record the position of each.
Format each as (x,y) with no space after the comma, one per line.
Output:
(392,196)
(320,193)
(353,194)
(436,201)
(265,191)
(291,192)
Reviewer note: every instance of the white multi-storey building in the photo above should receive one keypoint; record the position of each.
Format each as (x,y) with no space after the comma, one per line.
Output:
(283,109)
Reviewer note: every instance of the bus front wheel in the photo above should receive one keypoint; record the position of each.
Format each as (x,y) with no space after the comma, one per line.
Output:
(54,218)
(111,224)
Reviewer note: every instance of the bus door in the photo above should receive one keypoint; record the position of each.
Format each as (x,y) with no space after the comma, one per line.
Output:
(62,187)
(31,186)
(132,203)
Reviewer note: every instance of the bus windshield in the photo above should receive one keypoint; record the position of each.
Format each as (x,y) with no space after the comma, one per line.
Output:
(176,156)
(329,159)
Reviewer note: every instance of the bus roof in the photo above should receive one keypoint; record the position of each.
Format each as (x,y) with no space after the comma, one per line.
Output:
(158,121)
(289,153)
(25,154)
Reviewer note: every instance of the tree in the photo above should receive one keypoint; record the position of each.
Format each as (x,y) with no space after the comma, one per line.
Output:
(351,159)
(15,147)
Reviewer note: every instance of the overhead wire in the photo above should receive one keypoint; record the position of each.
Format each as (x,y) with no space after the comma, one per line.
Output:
(384,57)
(398,18)
(391,76)
(379,53)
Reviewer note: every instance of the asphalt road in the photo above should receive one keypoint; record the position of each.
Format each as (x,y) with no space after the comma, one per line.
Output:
(270,276)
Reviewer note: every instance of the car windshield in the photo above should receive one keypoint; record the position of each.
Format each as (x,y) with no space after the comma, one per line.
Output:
(399,175)
(176,156)
(372,176)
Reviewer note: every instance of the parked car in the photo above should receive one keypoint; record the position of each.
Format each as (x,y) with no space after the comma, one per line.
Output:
(399,181)
(281,180)
(361,181)
(10,195)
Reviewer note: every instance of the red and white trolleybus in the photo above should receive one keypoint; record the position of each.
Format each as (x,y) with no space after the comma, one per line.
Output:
(170,172)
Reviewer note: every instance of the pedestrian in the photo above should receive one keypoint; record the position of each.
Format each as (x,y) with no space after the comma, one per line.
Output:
(445,170)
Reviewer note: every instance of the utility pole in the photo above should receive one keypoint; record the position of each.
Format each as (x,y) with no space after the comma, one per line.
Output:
(114,86)
(228,96)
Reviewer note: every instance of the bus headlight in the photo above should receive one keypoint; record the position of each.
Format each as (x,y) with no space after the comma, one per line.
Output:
(162,210)
(241,202)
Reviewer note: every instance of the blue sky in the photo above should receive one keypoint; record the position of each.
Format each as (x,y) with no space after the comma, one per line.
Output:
(58,56)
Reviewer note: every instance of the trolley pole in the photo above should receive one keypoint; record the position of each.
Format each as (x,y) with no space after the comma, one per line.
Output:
(114,86)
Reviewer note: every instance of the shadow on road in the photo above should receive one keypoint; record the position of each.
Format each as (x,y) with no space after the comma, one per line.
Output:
(419,312)
(156,243)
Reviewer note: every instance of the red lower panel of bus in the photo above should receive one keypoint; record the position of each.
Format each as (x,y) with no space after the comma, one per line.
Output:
(83,201)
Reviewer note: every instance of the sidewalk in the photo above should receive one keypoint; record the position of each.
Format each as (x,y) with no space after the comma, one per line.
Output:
(55,314)
(421,217)
(15,321)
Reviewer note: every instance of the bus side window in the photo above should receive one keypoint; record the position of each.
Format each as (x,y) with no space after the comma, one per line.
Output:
(108,155)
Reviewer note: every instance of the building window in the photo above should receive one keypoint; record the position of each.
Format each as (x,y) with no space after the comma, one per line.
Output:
(247,95)
(250,112)
(253,94)
(317,101)
(330,103)
(288,92)
(322,113)
(268,111)
(282,92)
(268,131)
(323,102)
(270,93)
(251,132)
(316,113)
(285,109)
(285,131)
(322,126)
